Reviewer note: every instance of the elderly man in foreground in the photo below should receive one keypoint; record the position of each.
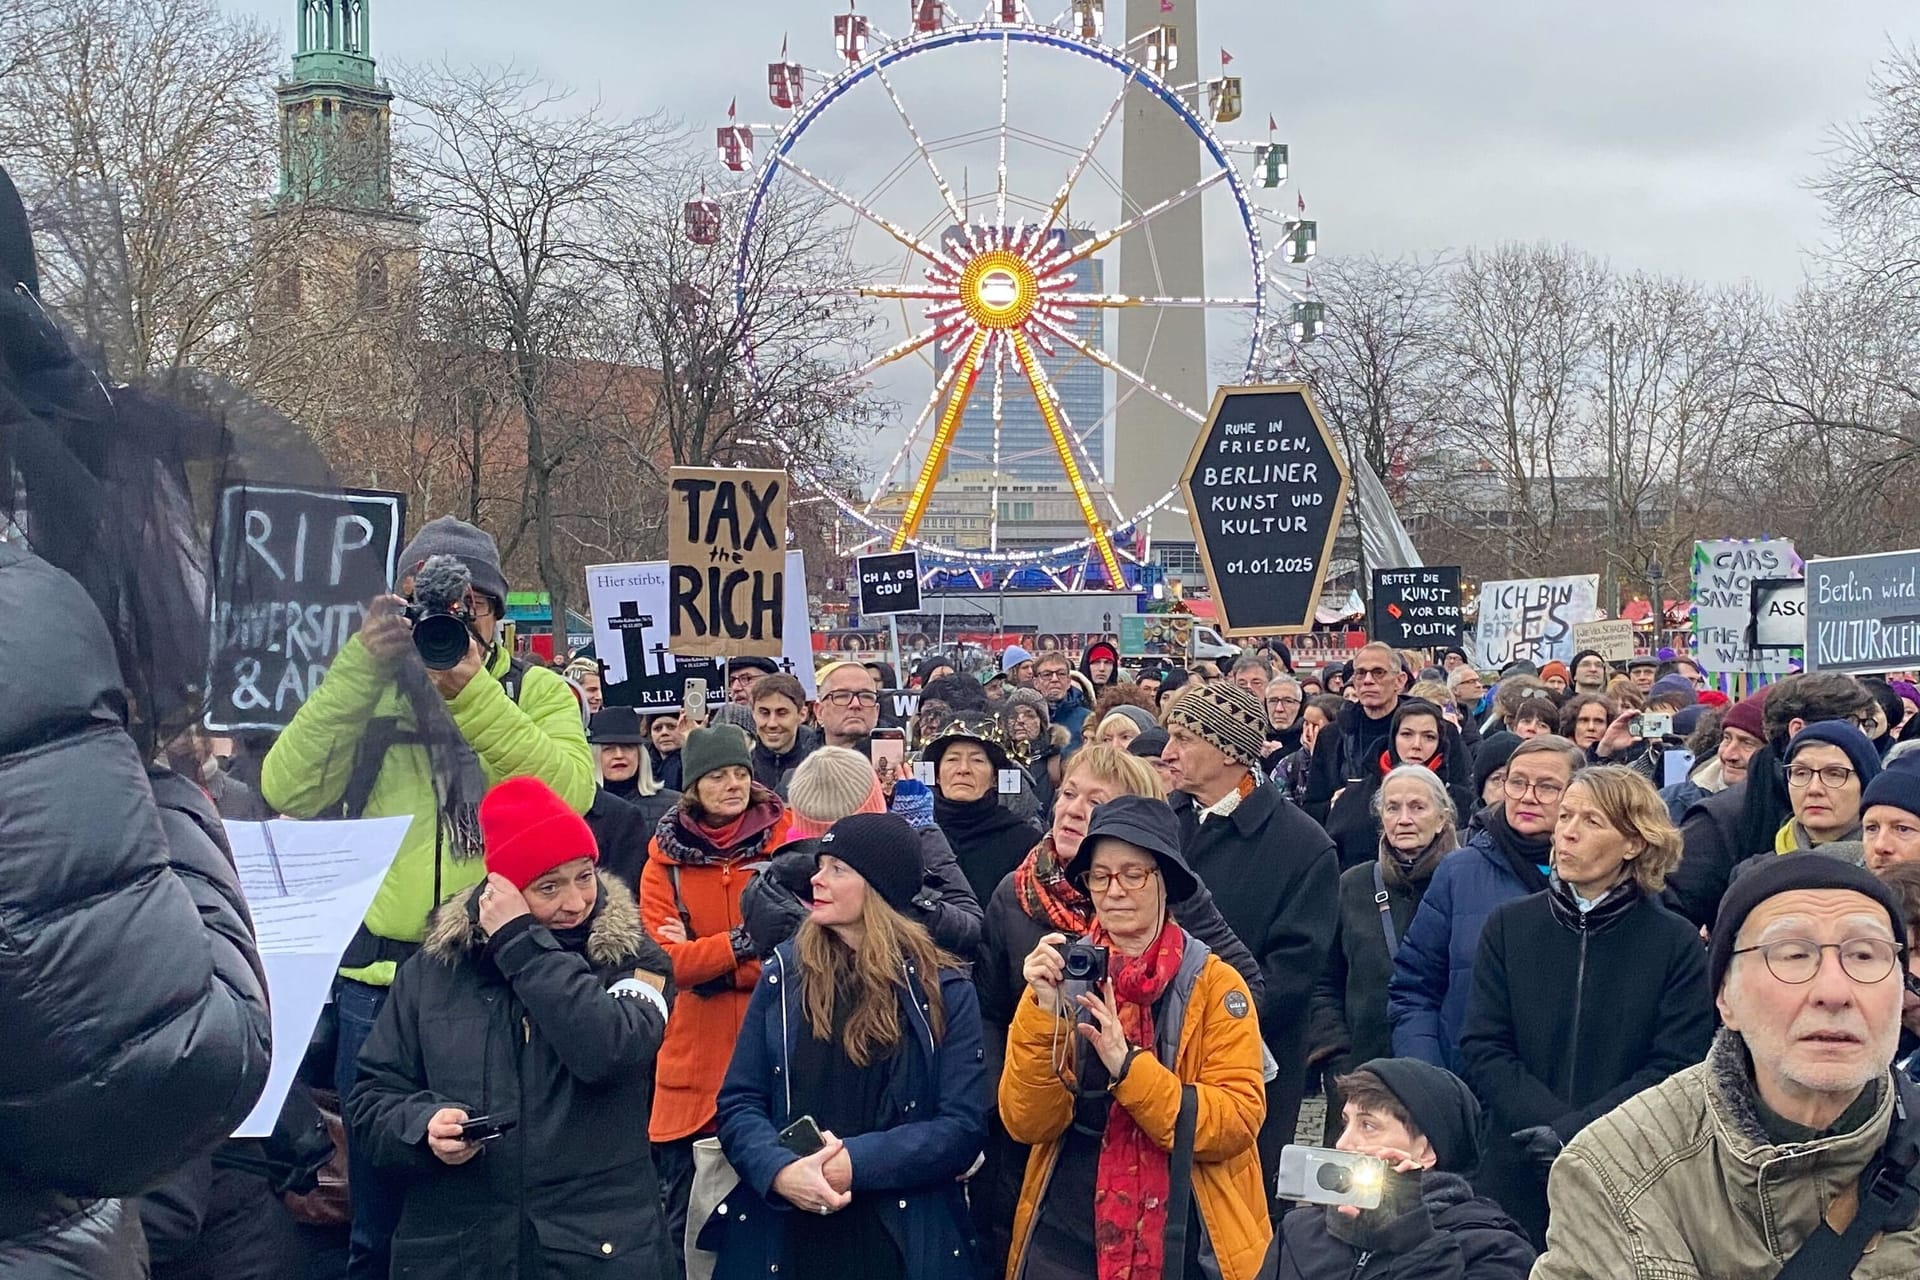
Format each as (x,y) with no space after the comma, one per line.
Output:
(1784,1154)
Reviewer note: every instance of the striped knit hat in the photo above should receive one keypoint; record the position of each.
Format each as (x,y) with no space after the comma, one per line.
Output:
(1222,713)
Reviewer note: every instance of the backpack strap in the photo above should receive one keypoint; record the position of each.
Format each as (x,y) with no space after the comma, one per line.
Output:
(680,903)
(517,668)
(1385,903)
(1180,1185)
(1889,1198)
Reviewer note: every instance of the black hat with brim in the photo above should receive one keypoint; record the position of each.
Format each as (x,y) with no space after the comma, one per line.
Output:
(1146,824)
(615,726)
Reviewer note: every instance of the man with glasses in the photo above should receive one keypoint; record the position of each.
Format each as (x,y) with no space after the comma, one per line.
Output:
(1743,821)
(1360,734)
(1284,702)
(1787,1138)
(1066,707)
(848,707)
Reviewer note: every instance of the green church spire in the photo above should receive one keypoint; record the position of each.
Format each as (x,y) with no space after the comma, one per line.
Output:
(335,41)
(336,127)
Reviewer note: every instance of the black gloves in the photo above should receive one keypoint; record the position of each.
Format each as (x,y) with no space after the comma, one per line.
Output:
(1540,1143)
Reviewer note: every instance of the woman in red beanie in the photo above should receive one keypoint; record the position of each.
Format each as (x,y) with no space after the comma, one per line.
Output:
(511,1071)
(698,864)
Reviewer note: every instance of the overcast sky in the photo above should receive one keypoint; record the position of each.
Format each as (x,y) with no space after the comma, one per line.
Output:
(1669,136)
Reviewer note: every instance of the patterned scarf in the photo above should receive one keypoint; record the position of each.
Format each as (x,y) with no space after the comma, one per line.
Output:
(1046,895)
(1134,1177)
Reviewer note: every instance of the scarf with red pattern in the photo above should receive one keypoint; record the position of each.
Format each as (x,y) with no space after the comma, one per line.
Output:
(1046,895)
(1134,1177)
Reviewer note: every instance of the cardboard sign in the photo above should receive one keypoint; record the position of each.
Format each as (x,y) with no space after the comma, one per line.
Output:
(293,570)
(628,603)
(1863,613)
(1777,617)
(1264,488)
(726,548)
(1724,571)
(1534,618)
(1612,638)
(889,583)
(1416,608)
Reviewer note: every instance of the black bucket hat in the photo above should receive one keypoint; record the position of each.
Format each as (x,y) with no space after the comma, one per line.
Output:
(615,726)
(981,727)
(1144,823)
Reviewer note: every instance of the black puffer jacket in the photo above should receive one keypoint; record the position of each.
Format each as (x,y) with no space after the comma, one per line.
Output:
(131,993)
(1451,1235)
(520,1025)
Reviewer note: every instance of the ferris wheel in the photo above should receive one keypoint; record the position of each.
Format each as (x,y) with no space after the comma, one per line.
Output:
(996,293)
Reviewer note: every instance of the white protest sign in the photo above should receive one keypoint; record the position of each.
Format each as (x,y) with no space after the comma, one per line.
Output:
(1724,571)
(1533,618)
(1611,638)
(308,886)
(629,607)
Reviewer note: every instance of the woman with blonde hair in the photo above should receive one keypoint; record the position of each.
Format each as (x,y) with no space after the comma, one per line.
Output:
(1585,994)
(863,1037)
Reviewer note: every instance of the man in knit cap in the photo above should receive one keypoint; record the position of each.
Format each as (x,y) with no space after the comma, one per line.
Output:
(1794,1142)
(384,736)
(1272,869)
(1890,815)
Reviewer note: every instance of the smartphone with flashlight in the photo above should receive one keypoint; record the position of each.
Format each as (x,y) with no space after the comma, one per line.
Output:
(1319,1175)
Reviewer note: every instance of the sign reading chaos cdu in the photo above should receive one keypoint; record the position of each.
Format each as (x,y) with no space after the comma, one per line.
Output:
(1863,613)
(1264,489)
(1416,608)
(889,583)
(293,570)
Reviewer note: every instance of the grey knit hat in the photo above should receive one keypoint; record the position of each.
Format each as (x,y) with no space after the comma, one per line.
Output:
(830,784)
(709,750)
(1220,712)
(474,547)
(737,714)
(1028,698)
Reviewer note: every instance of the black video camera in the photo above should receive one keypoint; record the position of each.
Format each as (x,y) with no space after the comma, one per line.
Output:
(439,612)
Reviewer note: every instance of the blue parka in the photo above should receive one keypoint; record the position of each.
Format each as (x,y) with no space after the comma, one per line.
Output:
(1433,970)
(933,1128)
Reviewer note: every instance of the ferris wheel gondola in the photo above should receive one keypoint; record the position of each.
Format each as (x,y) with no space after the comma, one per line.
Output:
(998,296)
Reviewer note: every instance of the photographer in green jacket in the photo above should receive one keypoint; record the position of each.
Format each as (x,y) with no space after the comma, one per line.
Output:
(385,735)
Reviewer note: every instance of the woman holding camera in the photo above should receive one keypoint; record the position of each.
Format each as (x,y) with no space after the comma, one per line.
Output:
(510,1075)
(1134,1071)
(856,1099)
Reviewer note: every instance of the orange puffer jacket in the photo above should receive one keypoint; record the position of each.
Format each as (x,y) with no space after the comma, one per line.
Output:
(706,1020)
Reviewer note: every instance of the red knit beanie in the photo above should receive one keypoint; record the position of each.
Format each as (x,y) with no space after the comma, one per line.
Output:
(529,831)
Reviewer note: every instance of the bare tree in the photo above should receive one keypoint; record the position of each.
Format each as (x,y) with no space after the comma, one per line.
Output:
(142,134)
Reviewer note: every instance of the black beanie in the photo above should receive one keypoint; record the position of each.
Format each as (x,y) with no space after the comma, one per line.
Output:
(1897,787)
(1490,757)
(1785,873)
(885,849)
(1442,1107)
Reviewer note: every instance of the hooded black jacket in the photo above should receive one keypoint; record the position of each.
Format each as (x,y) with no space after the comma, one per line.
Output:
(132,995)
(1572,1015)
(521,1026)
(1452,1235)
(773,770)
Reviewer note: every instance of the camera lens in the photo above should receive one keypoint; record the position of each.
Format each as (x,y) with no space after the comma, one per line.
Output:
(1079,964)
(1334,1177)
(441,640)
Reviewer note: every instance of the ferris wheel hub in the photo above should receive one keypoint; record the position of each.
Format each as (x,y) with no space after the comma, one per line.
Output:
(999,290)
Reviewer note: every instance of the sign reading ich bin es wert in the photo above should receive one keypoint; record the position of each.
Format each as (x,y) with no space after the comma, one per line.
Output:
(1264,490)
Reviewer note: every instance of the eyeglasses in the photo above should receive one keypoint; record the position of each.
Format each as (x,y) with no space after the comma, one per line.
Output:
(1800,776)
(1796,961)
(1283,702)
(1516,788)
(1372,673)
(1132,879)
(1866,724)
(852,697)
(1053,673)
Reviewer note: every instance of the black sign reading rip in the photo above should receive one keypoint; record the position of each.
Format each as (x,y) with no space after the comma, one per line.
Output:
(1416,608)
(293,570)
(656,681)
(890,583)
(1264,489)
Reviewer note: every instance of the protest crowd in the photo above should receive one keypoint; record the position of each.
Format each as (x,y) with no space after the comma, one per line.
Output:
(1030,975)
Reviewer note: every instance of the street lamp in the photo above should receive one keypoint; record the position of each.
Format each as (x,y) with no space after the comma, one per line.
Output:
(1654,575)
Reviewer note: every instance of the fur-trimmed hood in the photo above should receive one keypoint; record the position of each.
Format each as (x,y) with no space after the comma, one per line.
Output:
(615,936)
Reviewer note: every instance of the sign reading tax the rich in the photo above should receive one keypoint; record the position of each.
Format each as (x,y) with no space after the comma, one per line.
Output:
(727,548)
(293,570)
(1264,489)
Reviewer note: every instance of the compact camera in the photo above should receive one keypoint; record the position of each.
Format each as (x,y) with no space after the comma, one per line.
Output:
(1318,1175)
(1651,724)
(1086,963)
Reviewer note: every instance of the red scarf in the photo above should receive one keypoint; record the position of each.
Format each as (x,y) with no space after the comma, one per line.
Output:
(1046,895)
(1133,1178)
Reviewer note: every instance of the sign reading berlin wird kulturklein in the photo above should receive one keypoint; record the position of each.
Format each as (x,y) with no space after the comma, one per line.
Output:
(1863,613)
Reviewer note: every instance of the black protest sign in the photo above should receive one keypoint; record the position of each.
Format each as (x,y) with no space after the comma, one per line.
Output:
(1264,489)
(1863,613)
(656,681)
(1416,608)
(293,570)
(889,583)
(727,555)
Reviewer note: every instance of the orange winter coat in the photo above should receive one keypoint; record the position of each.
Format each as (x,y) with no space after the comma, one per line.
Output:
(700,1034)
(1219,1053)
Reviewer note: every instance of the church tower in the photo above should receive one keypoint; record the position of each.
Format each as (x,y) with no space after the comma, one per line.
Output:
(337,297)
